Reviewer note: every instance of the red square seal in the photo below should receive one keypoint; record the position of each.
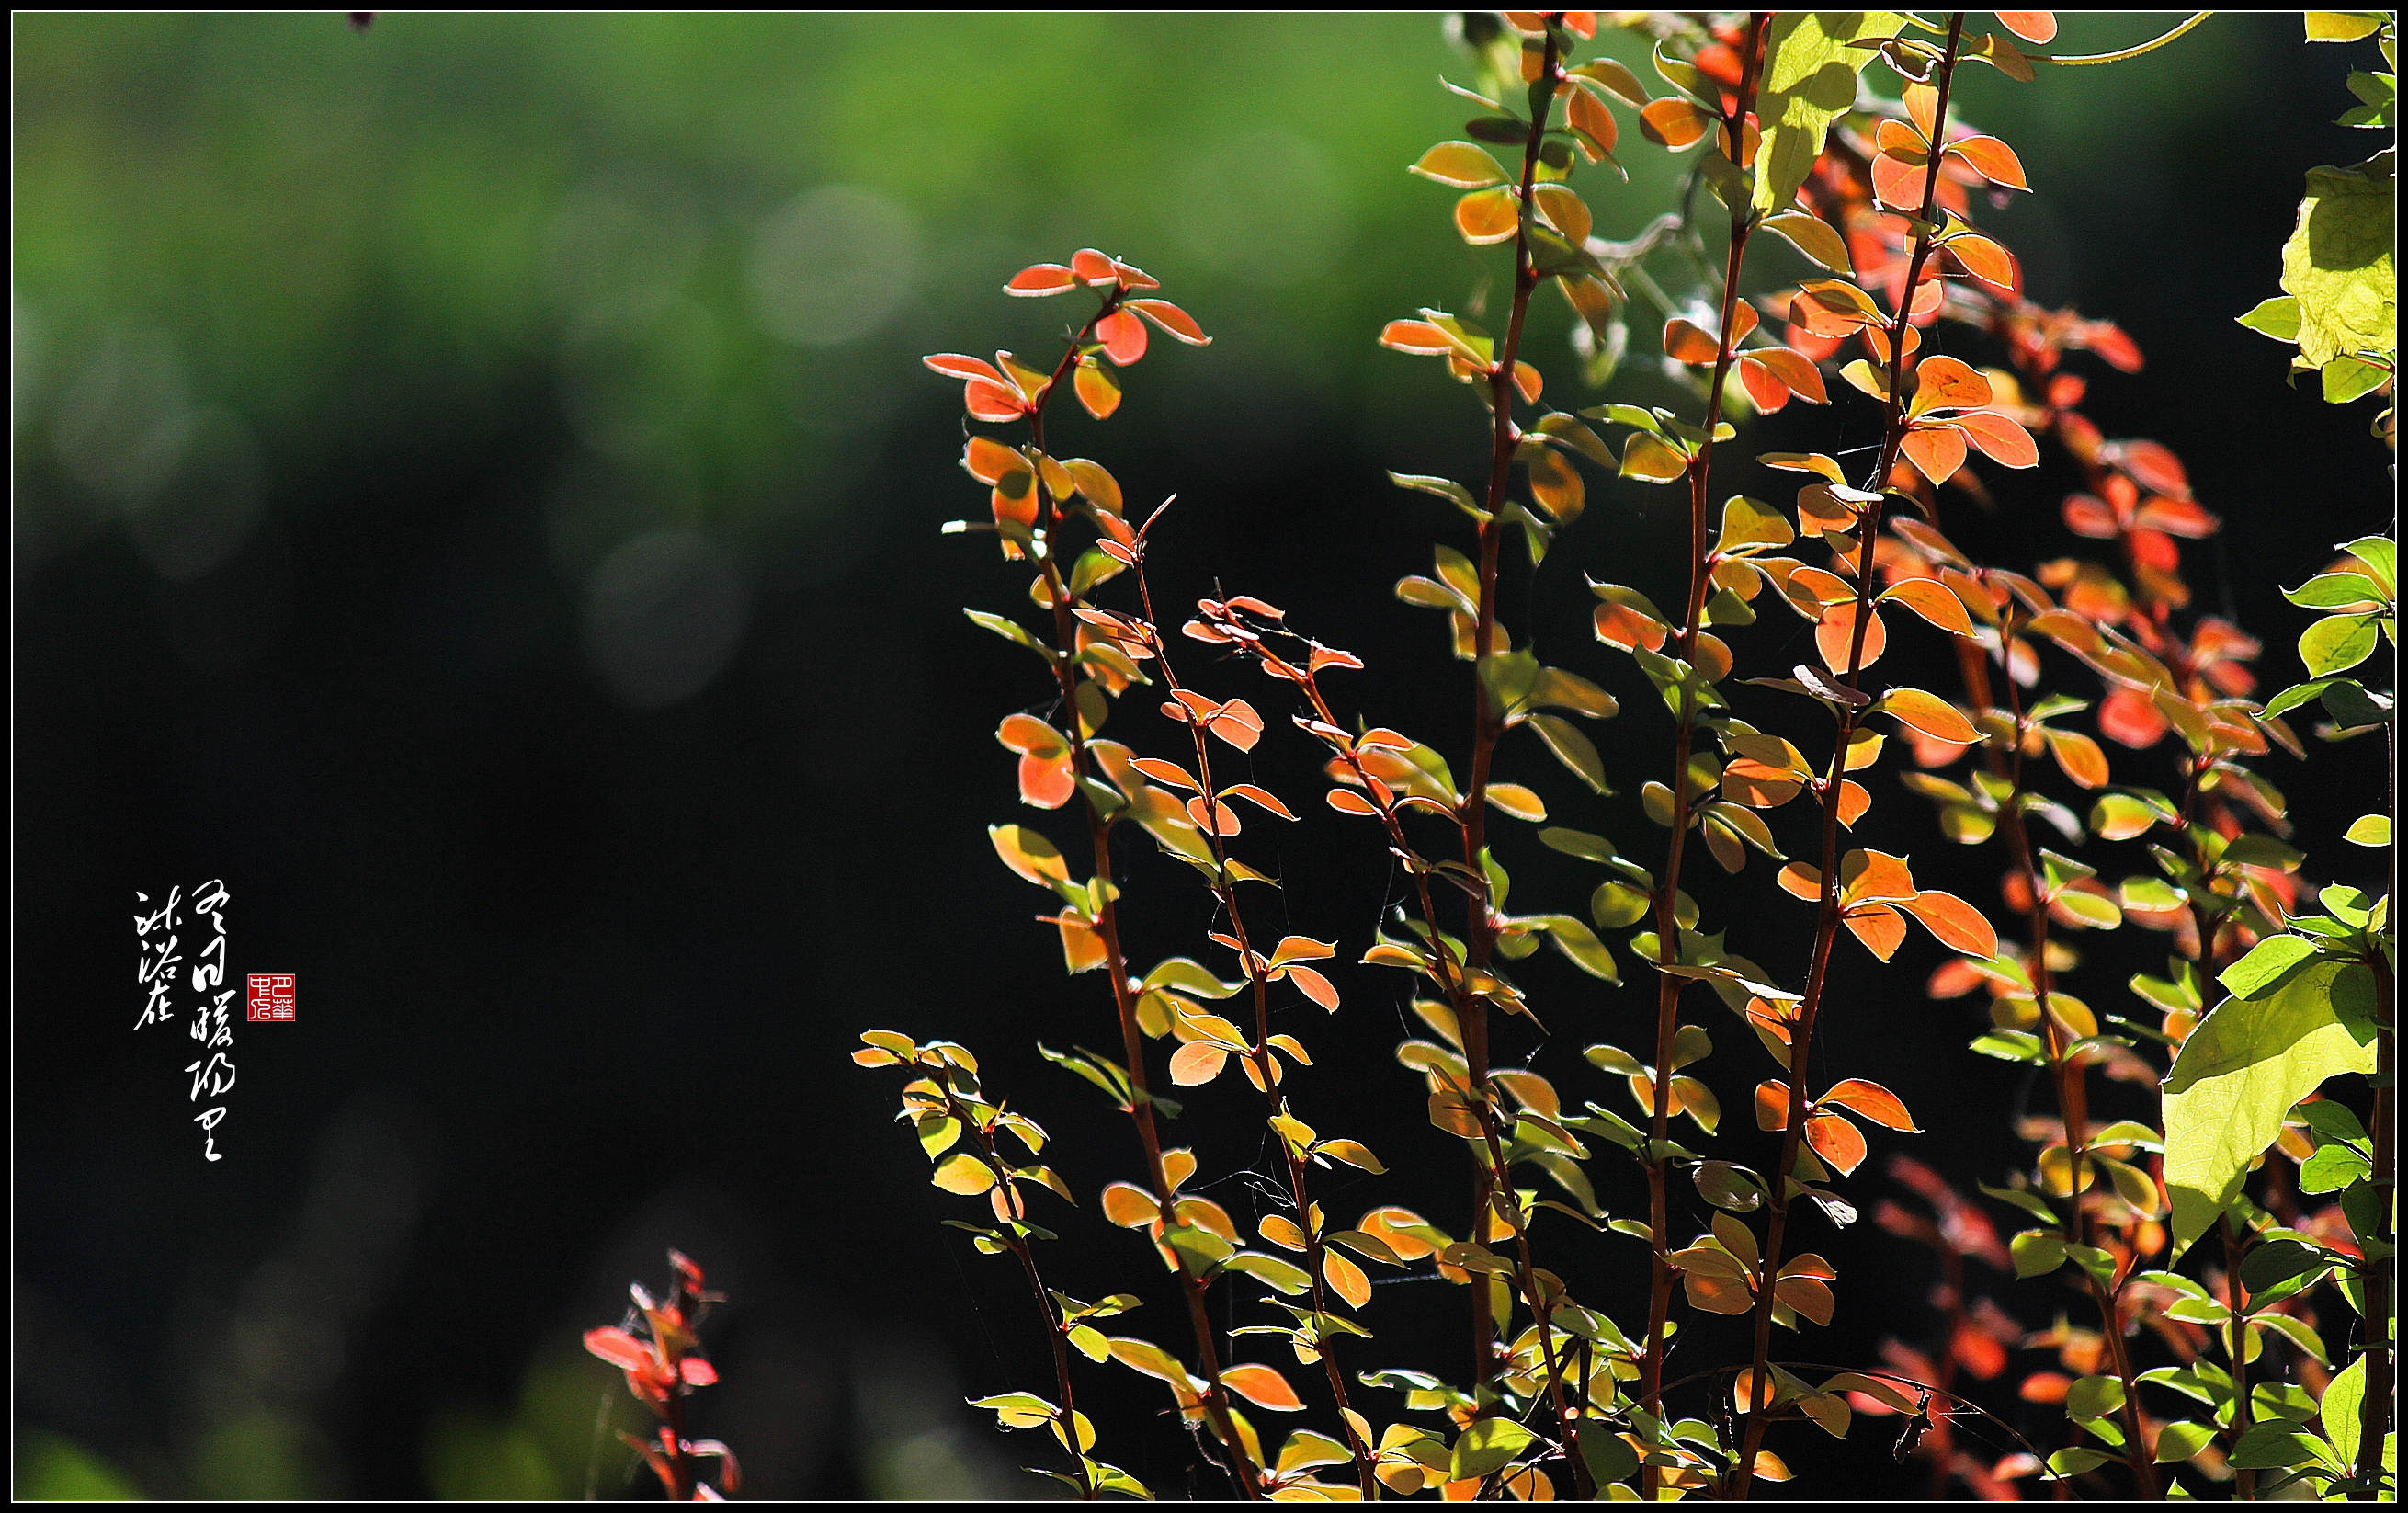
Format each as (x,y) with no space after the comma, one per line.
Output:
(271,999)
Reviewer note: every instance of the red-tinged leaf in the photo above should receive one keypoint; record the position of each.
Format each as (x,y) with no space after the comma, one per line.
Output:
(2031,25)
(1956,923)
(2079,757)
(1174,321)
(1793,370)
(1687,343)
(1801,881)
(696,1371)
(1237,724)
(993,402)
(1345,1279)
(1488,216)
(1214,818)
(1092,266)
(621,1349)
(1977,1351)
(1840,1144)
(1673,124)
(1315,987)
(1874,874)
(1122,335)
(1263,1387)
(1083,948)
(1871,1100)
(1047,782)
(1460,165)
(2044,1387)
(1899,183)
(2153,467)
(2175,517)
(1258,795)
(1764,388)
(1588,115)
(1620,626)
(1097,390)
(1170,774)
(1197,1062)
(1881,928)
(2001,439)
(958,365)
(1992,159)
(1929,713)
(1931,598)
(1936,451)
(1348,801)
(1527,382)
(2086,515)
(2130,718)
(1036,281)
(1419,338)
(1835,636)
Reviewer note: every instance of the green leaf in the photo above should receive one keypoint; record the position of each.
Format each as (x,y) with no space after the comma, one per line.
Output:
(2336,643)
(1810,80)
(2094,1397)
(2265,963)
(2344,1398)
(2075,1459)
(2241,1070)
(2037,1252)
(2381,559)
(2341,25)
(2278,317)
(2338,263)
(1488,1446)
(1445,488)
(2181,1439)
(2274,1446)
(1573,748)
(1610,1458)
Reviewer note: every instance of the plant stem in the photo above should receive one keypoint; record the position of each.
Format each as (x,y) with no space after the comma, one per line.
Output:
(1487,724)
(1827,918)
(1668,887)
(1107,927)
(1264,1064)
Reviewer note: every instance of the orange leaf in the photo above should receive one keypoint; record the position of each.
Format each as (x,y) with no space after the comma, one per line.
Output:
(1685,343)
(1771,1106)
(1347,802)
(1871,1100)
(619,1348)
(1345,1279)
(1793,370)
(1992,159)
(1122,335)
(1874,876)
(1197,1062)
(1985,259)
(1936,451)
(1838,1142)
(1263,1387)
(2001,439)
(1313,986)
(1419,338)
(1235,723)
(1097,390)
(1177,323)
(1083,948)
(2079,757)
(1806,1296)
(1036,281)
(1930,599)
(1487,216)
(1129,1207)
(1092,266)
(1958,924)
(1878,925)
(990,401)
(1929,713)
(1673,124)
(1801,881)
(2031,25)
(1214,818)
(1899,182)
(1166,772)
(956,365)
(1764,388)
(1942,382)
(1835,637)
(1854,802)
(1588,114)
(1258,796)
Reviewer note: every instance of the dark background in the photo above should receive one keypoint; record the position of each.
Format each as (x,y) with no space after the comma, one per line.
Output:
(476,494)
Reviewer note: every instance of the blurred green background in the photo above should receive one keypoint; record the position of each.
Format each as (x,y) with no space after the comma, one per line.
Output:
(475,492)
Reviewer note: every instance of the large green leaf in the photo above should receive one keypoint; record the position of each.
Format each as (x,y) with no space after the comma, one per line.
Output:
(2241,1070)
(1810,80)
(2339,262)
